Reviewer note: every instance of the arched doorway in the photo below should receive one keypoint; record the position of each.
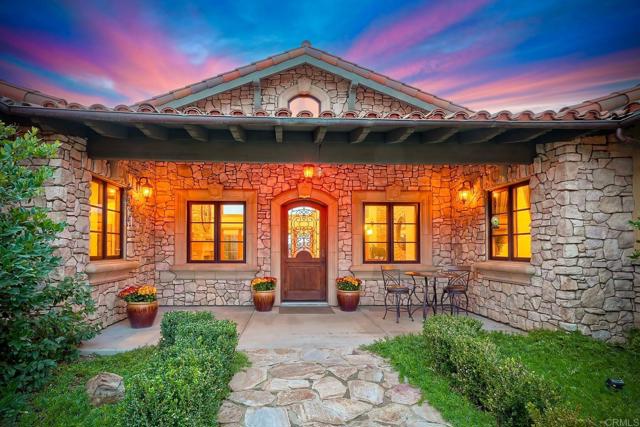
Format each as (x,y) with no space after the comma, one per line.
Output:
(304,251)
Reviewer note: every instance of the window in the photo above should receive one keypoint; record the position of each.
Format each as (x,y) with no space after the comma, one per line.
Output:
(391,232)
(216,232)
(304,102)
(105,220)
(510,223)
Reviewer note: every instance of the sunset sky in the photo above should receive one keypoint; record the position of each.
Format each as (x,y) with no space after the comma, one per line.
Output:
(484,54)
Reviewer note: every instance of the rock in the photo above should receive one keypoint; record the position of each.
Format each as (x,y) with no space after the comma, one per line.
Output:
(325,357)
(278,384)
(248,379)
(313,411)
(363,360)
(230,412)
(297,371)
(593,297)
(428,412)
(371,374)
(252,397)
(105,388)
(343,372)
(366,391)
(391,378)
(347,409)
(288,397)
(390,414)
(329,387)
(405,394)
(266,417)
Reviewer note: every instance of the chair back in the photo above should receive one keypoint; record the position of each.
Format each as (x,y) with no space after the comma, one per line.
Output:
(459,275)
(391,277)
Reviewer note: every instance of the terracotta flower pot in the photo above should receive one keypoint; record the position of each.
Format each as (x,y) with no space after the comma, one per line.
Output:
(348,300)
(263,300)
(142,314)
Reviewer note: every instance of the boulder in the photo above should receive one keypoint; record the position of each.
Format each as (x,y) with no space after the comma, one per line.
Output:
(105,388)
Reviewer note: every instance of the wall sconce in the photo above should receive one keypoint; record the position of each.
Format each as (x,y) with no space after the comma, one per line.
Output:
(465,192)
(308,171)
(144,187)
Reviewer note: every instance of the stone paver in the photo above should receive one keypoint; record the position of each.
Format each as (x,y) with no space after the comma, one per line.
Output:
(323,387)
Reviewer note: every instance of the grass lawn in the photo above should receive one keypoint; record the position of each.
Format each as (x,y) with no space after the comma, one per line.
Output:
(64,402)
(578,365)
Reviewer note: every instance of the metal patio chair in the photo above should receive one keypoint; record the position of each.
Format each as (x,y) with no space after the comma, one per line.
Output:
(456,288)
(396,290)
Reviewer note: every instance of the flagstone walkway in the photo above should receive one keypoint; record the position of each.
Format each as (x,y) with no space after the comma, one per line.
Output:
(322,387)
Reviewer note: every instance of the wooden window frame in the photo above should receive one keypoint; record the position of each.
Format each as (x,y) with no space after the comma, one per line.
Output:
(390,258)
(105,185)
(217,232)
(510,226)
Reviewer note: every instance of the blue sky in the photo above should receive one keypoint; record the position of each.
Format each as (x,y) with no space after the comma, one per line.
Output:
(484,54)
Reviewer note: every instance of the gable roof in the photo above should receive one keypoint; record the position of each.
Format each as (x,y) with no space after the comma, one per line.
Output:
(303,55)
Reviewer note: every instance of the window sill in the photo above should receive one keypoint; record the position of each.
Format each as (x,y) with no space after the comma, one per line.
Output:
(505,271)
(215,271)
(372,271)
(112,270)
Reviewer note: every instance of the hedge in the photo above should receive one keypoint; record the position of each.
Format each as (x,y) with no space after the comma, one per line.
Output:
(458,349)
(187,380)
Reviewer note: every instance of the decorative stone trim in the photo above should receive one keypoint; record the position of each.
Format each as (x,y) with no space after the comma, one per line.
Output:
(304,87)
(215,271)
(505,271)
(105,271)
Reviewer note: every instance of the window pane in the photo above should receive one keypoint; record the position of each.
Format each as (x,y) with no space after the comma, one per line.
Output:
(375,233)
(405,214)
(113,222)
(499,199)
(405,251)
(375,214)
(202,251)
(405,233)
(304,231)
(95,244)
(113,245)
(231,251)
(202,212)
(522,246)
(503,226)
(232,213)
(113,197)
(95,219)
(96,193)
(500,246)
(232,232)
(522,222)
(521,197)
(375,252)
(202,232)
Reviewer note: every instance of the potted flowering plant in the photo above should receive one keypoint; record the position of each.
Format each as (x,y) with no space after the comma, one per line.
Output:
(264,292)
(142,305)
(349,288)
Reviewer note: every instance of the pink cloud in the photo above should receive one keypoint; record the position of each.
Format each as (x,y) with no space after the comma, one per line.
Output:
(410,29)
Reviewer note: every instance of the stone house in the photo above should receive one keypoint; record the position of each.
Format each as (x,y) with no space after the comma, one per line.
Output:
(306,167)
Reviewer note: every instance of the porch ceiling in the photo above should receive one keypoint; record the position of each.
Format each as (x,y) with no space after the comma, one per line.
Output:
(184,137)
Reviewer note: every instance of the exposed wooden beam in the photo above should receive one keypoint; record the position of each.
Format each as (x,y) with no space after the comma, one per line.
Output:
(560,135)
(108,129)
(438,135)
(238,133)
(478,136)
(318,134)
(358,135)
(197,132)
(397,136)
(154,131)
(279,134)
(519,135)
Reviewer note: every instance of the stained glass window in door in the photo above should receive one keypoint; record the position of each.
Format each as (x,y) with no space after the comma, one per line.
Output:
(304,231)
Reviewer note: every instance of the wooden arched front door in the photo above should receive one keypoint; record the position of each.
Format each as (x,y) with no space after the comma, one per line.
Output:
(304,251)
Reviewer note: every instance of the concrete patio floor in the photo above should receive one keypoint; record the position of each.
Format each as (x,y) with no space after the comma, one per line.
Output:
(274,330)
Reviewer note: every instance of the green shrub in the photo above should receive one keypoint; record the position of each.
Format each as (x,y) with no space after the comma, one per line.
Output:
(187,380)
(458,348)
(42,318)
(633,345)
(558,416)
(172,319)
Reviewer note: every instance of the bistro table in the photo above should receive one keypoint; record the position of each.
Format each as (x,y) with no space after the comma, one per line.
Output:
(434,274)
